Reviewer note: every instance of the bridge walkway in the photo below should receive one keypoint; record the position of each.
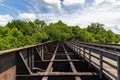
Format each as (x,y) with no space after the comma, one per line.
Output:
(48,61)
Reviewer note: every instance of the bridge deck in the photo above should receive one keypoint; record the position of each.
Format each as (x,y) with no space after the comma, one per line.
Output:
(51,61)
(64,64)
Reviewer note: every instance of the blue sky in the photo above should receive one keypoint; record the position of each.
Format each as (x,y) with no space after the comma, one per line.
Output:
(72,12)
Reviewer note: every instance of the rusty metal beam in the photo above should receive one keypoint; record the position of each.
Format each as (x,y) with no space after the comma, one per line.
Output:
(62,74)
(47,49)
(63,60)
(50,64)
(24,62)
(71,64)
(38,53)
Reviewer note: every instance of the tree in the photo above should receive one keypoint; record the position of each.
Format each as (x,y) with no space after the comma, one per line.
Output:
(84,35)
(111,37)
(95,28)
(40,36)
(20,33)
(40,23)
(58,31)
(22,26)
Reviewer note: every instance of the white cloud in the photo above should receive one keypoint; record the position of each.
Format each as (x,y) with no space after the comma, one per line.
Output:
(114,27)
(106,3)
(109,1)
(4,19)
(53,3)
(74,12)
(72,2)
(102,11)
(49,17)
(27,16)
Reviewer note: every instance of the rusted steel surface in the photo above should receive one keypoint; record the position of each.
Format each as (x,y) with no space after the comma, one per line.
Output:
(9,74)
(23,48)
(47,61)
(7,67)
(9,60)
(57,62)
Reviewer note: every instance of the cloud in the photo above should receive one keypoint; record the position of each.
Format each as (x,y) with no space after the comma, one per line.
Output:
(108,14)
(53,3)
(49,17)
(4,19)
(107,1)
(50,4)
(27,16)
(73,2)
(101,11)
(114,27)
(72,12)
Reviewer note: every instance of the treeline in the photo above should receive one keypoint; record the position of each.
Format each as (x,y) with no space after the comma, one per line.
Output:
(20,33)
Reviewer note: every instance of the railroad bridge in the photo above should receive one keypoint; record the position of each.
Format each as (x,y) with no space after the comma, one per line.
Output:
(61,61)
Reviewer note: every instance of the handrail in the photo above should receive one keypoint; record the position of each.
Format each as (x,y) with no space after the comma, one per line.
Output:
(21,48)
(110,46)
(92,53)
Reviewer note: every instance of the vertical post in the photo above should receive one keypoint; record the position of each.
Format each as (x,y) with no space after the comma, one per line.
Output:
(79,50)
(71,45)
(29,58)
(33,51)
(118,68)
(89,58)
(101,65)
(42,53)
(84,54)
(28,52)
(114,49)
(74,47)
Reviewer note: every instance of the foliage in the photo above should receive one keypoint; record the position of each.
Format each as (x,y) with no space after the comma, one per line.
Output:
(58,31)
(20,33)
(95,28)
(101,35)
(84,35)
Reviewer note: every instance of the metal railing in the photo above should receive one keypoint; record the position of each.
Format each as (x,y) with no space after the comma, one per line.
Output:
(11,61)
(106,62)
(111,47)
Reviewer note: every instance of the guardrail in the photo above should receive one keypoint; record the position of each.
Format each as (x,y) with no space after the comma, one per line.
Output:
(106,62)
(111,47)
(11,61)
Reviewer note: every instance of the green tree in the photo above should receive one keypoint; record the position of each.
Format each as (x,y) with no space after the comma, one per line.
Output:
(40,23)
(111,37)
(20,33)
(84,35)
(95,28)
(75,30)
(58,31)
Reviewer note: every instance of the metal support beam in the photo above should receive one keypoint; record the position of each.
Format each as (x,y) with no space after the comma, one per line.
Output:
(50,64)
(101,65)
(71,64)
(118,68)
(89,58)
